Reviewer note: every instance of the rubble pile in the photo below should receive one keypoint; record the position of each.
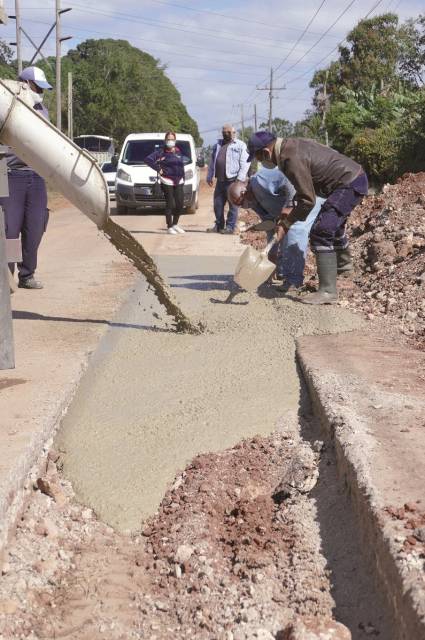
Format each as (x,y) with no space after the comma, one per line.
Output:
(388,245)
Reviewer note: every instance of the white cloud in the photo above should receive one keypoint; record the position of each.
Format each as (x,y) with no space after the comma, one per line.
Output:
(215,61)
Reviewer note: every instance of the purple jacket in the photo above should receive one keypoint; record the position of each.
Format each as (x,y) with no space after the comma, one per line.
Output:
(170,163)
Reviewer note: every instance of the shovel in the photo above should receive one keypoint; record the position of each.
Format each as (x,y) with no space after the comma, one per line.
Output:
(254,267)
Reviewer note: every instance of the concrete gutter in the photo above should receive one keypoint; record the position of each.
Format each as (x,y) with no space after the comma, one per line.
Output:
(369,397)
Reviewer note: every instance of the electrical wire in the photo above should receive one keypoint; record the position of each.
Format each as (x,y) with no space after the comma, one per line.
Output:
(301,36)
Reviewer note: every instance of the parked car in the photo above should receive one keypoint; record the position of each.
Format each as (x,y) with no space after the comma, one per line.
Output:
(110,171)
(135,180)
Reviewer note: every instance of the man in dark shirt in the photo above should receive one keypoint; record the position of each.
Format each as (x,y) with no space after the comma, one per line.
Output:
(314,170)
(25,210)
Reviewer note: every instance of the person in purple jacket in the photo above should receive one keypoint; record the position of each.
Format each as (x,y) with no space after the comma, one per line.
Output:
(25,209)
(169,163)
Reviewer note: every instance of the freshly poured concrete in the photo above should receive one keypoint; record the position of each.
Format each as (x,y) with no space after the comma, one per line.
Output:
(153,399)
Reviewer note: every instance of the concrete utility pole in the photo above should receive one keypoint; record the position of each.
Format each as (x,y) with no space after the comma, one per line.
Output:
(18,35)
(70,108)
(7,354)
(271,89)
(59,41)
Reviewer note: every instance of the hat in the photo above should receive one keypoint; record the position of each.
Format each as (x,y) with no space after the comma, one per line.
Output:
(36,75)
(258,141)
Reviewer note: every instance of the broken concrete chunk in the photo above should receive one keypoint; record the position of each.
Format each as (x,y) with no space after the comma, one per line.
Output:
(317,630)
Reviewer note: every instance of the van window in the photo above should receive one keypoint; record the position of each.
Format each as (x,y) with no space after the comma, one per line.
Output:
(137,150)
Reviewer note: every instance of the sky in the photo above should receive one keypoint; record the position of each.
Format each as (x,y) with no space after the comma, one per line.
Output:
(218,53)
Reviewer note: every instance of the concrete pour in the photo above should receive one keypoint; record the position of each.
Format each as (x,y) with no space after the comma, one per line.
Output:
(152,399)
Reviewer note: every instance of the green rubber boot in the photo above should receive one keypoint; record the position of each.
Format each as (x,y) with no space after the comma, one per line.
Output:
(326,270)
(344,261)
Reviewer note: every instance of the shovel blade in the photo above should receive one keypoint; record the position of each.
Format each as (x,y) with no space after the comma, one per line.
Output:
(253,269)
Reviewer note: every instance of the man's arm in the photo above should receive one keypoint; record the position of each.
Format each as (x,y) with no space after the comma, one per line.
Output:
(243,163)
(211,166)
(298,172)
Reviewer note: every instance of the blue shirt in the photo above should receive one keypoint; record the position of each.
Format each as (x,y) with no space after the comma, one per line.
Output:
(273,191)
(237,164)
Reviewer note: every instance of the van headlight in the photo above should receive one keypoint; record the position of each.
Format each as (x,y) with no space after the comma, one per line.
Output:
(123,175)
(188,174)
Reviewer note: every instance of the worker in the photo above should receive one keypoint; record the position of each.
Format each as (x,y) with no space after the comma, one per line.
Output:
(267,193)
(228,163)
(315,169)
(25,209)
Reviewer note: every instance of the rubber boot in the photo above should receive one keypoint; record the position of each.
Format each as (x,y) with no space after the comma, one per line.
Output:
(344,261)
(326,270)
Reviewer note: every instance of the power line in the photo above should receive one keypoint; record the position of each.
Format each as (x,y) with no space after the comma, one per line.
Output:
(301,36)
(347,8)
(312,69)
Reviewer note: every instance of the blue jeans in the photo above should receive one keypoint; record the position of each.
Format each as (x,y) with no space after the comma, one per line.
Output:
(26,214)
(293,249)
(220,199)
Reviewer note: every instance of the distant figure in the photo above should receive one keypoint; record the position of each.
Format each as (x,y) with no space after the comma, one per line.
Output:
(169,163)
(316,170)
(25,210)
(229,162)
(268,192)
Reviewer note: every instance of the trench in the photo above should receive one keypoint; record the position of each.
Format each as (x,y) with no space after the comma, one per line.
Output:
(153,401)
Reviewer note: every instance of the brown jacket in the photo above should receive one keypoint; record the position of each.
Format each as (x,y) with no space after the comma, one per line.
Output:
(313,169)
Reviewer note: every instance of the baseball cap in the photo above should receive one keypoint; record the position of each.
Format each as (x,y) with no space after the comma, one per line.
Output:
(259,140)
(37,76)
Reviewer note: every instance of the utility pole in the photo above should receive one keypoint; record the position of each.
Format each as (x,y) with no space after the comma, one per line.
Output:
(271,89)
(70,108)
(242,123)
(255,118)
(18,35)
(59,41)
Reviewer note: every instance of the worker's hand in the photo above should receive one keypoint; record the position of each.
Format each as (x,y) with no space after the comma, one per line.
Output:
(280,232)
(210,183)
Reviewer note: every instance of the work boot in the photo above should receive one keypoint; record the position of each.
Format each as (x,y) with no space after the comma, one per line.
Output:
(228,231)
(326,270)
(214,229)
(30,283)
(344,262)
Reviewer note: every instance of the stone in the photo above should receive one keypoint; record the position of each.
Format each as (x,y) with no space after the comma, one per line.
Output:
(420,534)
(316,630)
(51,489)
(263,634)
(8,607)
(183,553)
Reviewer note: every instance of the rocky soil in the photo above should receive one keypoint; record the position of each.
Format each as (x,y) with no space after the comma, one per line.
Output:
(387,234)
(232,553)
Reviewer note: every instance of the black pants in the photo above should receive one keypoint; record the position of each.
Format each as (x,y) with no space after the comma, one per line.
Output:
(174,200)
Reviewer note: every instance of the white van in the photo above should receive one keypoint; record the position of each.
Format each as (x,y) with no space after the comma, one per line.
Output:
(135,180)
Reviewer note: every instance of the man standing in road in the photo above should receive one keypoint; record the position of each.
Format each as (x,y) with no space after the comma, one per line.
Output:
(314,170)
(229,162)
(25,209)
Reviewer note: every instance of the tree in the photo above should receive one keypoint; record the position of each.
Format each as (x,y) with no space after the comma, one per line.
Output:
(280,127)
(120,89)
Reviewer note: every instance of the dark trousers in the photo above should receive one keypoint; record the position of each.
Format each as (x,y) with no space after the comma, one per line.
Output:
(174,202)
(220,199)
(26,214)
(328,231)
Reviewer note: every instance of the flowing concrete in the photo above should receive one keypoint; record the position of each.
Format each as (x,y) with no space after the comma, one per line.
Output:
(153,399)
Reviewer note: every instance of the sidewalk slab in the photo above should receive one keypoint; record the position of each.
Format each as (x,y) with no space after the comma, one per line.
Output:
(369,395)
(55,331)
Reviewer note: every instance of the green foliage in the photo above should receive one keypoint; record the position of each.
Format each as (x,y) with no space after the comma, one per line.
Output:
(371,100)
(280,127)
(119,89)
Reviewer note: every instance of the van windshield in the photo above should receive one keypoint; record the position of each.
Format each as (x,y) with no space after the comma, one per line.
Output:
(136,151)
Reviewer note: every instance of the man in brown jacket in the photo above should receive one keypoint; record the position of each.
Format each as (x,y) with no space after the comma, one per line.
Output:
(314,170)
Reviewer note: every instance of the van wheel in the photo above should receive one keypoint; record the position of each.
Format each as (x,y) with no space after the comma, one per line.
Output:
(121,209)
(191,209)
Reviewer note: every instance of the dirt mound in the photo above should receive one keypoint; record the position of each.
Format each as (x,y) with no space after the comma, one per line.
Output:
(233,553)
(387,234)
(388,244)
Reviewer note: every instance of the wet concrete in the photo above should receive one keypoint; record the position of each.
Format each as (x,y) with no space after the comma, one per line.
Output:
(152,399)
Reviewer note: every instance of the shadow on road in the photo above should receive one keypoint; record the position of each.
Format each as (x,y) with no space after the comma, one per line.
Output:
(29,315)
